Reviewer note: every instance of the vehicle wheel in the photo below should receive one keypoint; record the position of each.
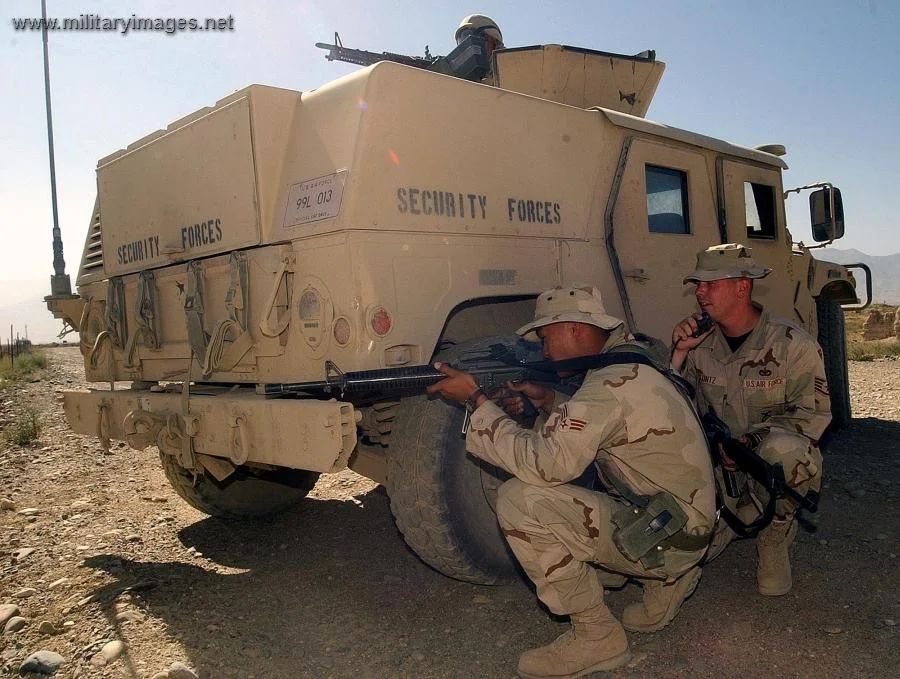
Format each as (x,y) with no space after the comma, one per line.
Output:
(441,496)
(243,495)
(833,340)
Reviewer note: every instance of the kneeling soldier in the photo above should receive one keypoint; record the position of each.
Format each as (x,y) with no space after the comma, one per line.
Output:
(764,377)
(653,519)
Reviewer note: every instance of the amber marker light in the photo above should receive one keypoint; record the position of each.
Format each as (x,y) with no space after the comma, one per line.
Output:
(341,331)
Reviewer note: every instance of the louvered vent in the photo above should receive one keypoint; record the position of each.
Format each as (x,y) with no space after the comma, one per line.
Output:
(92,259)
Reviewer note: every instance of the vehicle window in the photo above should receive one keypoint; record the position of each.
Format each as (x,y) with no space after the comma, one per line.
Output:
(759,203)
(667,200)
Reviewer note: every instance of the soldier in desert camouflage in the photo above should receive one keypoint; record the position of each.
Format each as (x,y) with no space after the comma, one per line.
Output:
(654,518)
(764,377)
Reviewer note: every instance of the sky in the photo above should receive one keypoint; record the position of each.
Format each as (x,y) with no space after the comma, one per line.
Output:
(819,77)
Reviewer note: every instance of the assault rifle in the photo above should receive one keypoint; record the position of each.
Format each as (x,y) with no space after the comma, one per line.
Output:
(770,476)
(337,52)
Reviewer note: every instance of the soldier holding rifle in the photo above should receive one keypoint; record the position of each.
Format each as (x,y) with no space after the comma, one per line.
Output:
(653,520)
(764,377)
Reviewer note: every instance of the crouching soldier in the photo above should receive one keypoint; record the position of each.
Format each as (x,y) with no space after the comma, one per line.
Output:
(764,377)
(653,519)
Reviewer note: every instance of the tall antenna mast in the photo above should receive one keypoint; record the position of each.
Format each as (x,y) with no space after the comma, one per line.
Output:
(59,281)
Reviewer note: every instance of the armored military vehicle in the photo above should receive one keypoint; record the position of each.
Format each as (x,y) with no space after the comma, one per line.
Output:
(386,219)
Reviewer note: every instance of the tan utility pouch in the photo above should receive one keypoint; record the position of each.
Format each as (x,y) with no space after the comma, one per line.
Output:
(640,530)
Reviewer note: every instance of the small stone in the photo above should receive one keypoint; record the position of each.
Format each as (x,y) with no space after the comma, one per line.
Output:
(47,628)
(857,493)
(6,503)
(480,599)
(824,543)
(179,670)
(22,554)
(7,611)
(80,503)
(29,511)
(134,537)
(636,659)
(42,662)
(833,630)
(889,623)
(112,650)
(69,623)
(881,536)
(14,624)
(129,616)
(161,675)
(59,583)
(25,593)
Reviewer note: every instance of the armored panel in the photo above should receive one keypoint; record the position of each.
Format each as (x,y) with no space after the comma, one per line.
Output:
(581,77)
(188,193)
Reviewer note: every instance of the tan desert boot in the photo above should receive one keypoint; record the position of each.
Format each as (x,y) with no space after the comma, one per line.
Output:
(660,604)
(773,574)
(596,642)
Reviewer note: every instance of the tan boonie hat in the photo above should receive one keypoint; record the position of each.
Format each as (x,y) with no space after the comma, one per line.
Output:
(731,260)
(569,304)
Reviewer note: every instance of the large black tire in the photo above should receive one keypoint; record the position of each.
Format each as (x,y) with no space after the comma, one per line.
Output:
(244,494)
(833,340)
(442,497)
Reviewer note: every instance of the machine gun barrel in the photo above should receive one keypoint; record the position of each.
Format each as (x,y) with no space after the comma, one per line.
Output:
(337,52)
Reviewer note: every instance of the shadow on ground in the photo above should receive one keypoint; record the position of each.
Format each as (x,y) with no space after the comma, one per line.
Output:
(330,590)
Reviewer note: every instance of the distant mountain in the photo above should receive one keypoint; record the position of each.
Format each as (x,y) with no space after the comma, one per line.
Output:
(885,271)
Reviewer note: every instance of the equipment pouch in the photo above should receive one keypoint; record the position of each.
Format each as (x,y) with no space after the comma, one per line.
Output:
(642,529)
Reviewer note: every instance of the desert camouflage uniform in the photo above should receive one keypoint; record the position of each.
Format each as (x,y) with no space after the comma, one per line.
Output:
(772,387)
(635,425)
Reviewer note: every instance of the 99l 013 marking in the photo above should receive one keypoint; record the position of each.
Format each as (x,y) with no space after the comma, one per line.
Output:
(315,199)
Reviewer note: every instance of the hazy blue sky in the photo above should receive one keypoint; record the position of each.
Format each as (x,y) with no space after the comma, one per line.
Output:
(819,77)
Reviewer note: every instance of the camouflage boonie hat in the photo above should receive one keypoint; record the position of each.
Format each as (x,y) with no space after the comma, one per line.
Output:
(731,260)
(569,304)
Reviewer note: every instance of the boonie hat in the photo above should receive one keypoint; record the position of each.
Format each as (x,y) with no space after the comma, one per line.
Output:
(731,260)
(569,304)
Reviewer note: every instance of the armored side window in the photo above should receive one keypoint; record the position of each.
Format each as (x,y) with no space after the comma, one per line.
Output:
(667,200)
(759,202)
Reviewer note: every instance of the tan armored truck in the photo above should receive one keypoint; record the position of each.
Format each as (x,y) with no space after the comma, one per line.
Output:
(386,219)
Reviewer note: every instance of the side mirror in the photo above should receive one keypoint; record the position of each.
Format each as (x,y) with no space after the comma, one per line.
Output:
(826,214)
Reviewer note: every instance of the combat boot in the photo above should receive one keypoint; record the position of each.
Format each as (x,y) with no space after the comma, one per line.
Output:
(661,603)
(773,574)
(596,642)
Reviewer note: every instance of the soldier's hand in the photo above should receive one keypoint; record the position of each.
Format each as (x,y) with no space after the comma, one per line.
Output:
(727,463)
(682,340)
(510,398)
(457,386)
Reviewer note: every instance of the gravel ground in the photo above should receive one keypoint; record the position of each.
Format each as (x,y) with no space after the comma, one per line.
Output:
(112,571)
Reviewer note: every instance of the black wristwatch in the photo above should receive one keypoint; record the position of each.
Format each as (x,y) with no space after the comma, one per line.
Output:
(471,403)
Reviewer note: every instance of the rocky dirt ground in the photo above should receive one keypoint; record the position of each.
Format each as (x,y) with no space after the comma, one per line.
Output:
(112,571)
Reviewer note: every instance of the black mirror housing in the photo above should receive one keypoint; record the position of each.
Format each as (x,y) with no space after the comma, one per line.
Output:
(826,217)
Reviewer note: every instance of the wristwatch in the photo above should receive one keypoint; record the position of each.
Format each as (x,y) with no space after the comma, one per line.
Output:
(471,403)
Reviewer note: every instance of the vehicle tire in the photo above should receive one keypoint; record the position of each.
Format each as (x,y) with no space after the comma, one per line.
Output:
(244,494)
(442,497)
(833,340)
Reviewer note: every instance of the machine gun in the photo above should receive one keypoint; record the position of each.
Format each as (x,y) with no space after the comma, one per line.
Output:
(337,52)
(770,476)
(468,60)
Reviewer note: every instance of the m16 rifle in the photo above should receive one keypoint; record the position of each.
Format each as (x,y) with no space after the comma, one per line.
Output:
(468,60)
(770,476)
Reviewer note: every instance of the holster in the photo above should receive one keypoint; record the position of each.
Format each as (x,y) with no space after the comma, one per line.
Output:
(641,530)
